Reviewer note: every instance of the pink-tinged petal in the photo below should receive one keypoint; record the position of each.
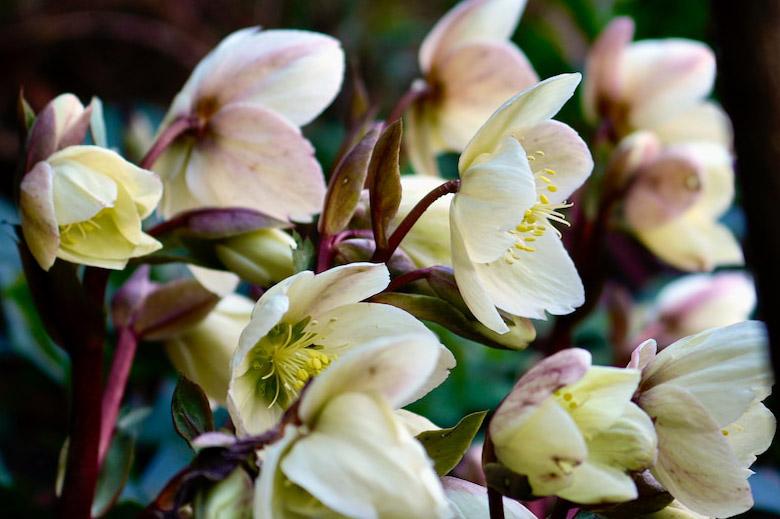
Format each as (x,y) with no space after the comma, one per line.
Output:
(602,69)
(492,199)
(662,191)
(250,157)
(172,169)
(472,290)
(537,385)
(534,282)
(39,223)
(701,122)
(474,81)
(724,368)
(296,74)
(695,462)
(62,123)
(469,21)
(558,153)
(663,77)
(643,355)
(422,141)
(717,174)
(514,117)
(394,368)
(469,501)
(335,287)
(693,243)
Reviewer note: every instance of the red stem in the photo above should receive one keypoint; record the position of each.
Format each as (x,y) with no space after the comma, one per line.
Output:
(400,107)
(115,387)
(324,253)
(398,235)
(170,134)
(408,277)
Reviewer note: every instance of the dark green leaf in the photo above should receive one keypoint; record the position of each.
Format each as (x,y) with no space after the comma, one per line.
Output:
(446,447)
(303,255)
(384,182)
(190,410)
(114,472)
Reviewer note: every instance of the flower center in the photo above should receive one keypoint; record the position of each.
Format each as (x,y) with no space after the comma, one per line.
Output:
(286,358)
(71,233)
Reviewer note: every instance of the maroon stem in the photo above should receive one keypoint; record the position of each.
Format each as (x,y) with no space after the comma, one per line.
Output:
(115,387)
(170,134)
(408,277)
(324,253)
(400,107)
(382,255)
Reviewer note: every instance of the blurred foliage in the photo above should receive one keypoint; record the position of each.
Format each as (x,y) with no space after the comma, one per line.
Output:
(135,55)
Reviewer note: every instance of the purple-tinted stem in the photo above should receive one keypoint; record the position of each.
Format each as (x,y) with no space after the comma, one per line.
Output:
(177,127)
(398,235)
(408,277)
(353,233)
(115,387)
(400,107)
(496,503)
(324,253)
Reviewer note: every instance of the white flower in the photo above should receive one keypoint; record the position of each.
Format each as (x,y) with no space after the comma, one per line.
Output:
(249,96)
(704,395)
(515,176)
(299,327)
(350,456)
(470,67)
(469,501)
(573,431)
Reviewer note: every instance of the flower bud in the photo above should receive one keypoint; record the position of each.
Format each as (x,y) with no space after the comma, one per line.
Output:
(261,257)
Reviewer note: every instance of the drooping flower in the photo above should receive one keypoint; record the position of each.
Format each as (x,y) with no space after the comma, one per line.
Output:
(85,204)
(299,327)
(573,431)
(470,67)
(203,352)
(515,176)
(351,456)
(248,98)
(704,395)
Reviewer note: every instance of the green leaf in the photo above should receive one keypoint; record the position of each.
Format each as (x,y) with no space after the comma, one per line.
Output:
(446,447)
(114,472)
(190,410)
(303,254)
(25,112)
(384,182)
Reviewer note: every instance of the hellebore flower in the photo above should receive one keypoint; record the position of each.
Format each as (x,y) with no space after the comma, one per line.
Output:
(469,501)
(261,257)
(203,352)
(573,431)
(470,68)
(704,395)
(515,176)
(350,456)
(85,204)
(299,327)
(248,97)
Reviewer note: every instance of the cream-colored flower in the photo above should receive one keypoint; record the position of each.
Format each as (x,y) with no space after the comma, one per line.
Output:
(469,501)
(299,327)
(203,352)
(261,257)
(249,96)
(515,176)
(351,457)
(85,204)
(704,395)
(470,67)
(573,431)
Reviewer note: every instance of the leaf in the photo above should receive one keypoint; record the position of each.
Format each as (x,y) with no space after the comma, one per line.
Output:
(346,184)
(507,482)
(173,307)
(190,410)
(303,254)
(114,472)
(25,113)
(384,182)
(446,447)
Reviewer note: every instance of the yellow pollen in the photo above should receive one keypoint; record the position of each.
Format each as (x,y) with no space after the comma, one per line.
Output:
(548,172)
(567,397)
(540,153)
(552,189)
(545,179)
(572,405)
(724,432)
(530,238)
(531,157)
(544,199)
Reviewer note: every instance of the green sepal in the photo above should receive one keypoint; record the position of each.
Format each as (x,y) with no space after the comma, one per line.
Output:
(446,447)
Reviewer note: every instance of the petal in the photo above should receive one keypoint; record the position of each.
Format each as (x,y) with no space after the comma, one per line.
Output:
(251,157)
(492,199)
(474,81)
(717,174)
(469,21)
(602,68)
(345,284)
(643,355)
(219,282)
(630,443)
(422,141)
(392,367)
(695,462)
(270,484)
(81,187)
(594,483)
(543,280)
(296,74)
(752,433)
(664,77)
(359,462)
(693,243)
(724,368)
(251,414)
(556,147)
(469,501)
(428,241)
(526,109)
(172,169)
(474,293)
(39,221)
(701,122)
